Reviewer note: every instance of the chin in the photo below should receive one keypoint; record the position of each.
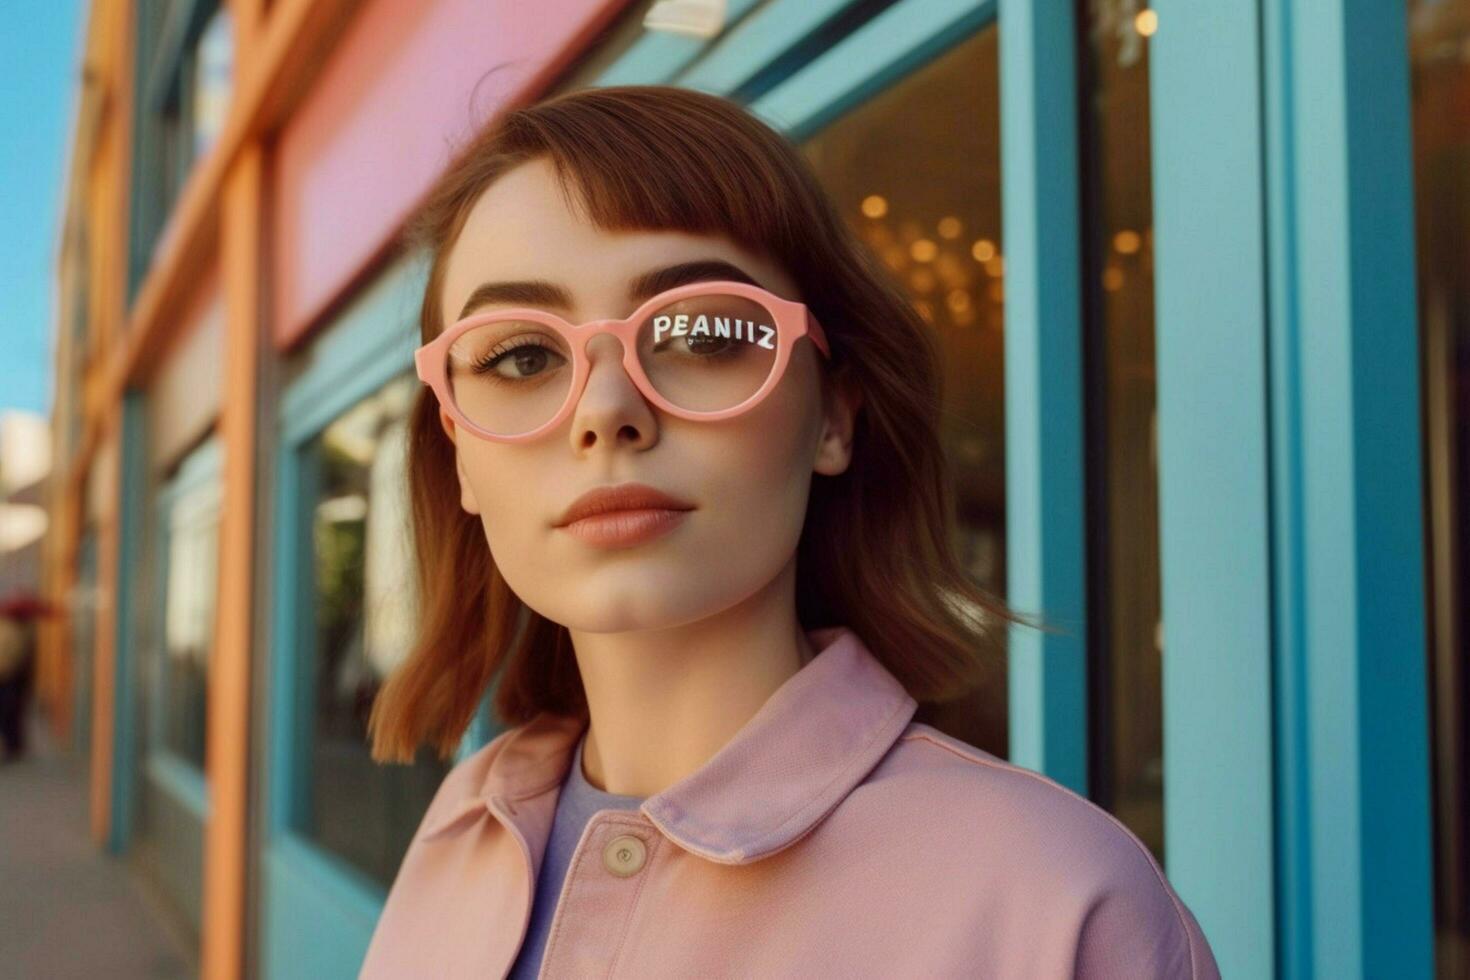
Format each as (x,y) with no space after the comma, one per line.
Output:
(632,603)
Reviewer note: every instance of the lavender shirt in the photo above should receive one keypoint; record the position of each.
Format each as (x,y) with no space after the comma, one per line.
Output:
(579,799)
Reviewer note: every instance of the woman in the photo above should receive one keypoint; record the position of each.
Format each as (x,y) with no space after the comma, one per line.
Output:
(712,671)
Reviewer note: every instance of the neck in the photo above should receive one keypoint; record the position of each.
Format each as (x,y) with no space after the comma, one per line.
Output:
(663,702)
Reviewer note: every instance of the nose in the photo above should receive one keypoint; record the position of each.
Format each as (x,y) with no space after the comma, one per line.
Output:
(611,410)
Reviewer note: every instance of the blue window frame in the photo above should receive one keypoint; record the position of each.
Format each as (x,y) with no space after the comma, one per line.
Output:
(166,632)
(1295,706)
(326,876)
(132,515)
(1047,707)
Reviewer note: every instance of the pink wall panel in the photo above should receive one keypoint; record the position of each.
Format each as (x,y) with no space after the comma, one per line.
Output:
(406,86)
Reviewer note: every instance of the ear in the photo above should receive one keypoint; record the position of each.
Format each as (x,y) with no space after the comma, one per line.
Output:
(466,495)
(840,408)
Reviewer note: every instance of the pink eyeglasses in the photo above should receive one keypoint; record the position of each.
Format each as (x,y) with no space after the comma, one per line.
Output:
(704,351)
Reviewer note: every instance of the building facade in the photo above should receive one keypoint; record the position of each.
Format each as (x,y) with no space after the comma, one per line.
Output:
(1198,273)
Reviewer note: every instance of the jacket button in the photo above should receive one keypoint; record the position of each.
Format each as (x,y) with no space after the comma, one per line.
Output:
(624,855)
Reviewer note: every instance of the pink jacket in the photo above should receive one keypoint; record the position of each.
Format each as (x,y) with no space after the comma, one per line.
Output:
(831,837)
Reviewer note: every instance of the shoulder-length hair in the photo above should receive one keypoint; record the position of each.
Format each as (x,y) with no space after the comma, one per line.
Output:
(876,552)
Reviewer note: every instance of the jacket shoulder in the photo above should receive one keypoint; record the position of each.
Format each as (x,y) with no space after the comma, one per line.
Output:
(1029,811)
(1067,850)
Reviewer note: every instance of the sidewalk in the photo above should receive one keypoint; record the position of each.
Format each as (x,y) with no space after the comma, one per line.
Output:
(67,909)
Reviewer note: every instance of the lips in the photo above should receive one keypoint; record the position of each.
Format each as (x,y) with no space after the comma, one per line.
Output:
(625,528)
(621,497)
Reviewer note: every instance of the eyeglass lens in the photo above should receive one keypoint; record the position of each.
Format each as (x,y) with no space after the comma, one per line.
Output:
(703,353)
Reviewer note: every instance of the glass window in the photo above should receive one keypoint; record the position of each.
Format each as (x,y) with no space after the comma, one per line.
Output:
(190,556)
(941,237)
(1439,45)
(211,81)
(365,608)
(1125,641)
(185,54)
(82,604)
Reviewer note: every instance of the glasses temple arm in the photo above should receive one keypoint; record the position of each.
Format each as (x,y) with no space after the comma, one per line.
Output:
(818,335)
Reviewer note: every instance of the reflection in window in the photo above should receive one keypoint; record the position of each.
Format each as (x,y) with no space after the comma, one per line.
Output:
(211,81)
(189,616)
(1439,46)
(941,238)
(365,608)
(187,91)
(1126,736)
(183,63)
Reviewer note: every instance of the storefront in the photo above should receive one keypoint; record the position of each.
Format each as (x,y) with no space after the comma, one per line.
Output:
(1169,254)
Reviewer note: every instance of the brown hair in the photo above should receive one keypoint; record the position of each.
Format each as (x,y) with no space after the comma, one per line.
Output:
(875,553)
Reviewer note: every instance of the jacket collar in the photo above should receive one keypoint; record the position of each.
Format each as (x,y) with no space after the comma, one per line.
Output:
(812,741)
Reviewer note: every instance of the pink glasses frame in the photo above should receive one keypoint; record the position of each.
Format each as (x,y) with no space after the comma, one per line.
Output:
(793,321)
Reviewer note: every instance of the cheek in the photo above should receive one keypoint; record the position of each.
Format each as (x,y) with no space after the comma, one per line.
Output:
(758,467)
(504,484)
(519,489)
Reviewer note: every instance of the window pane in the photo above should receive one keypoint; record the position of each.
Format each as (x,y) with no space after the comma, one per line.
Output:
(1439,43)
(211,82)
(365,612)
(189,611)
(941,237)
(83,601)
(1125,639)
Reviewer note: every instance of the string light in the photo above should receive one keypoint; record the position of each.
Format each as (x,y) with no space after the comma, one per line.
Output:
(875,206)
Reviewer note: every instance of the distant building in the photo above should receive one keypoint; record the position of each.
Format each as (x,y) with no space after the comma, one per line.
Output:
(25,464)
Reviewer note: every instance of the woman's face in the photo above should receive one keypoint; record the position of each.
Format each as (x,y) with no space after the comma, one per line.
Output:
(747,477)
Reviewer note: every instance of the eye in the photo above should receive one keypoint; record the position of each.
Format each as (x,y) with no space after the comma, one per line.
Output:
(526,356)
(709,347)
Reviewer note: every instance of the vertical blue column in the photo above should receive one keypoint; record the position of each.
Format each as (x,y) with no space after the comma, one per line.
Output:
(1046,547)
(1356,879)
(131,513)
(1214,473)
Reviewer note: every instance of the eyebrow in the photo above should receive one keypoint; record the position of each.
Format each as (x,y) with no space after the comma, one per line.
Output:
(540,292)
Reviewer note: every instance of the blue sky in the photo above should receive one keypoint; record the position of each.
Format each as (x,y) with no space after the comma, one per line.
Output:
(39,71)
